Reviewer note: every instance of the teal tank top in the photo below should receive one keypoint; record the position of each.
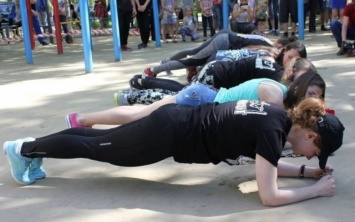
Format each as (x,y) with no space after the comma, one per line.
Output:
(247,90)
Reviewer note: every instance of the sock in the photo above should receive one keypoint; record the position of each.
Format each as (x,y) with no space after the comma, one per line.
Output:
(21,141)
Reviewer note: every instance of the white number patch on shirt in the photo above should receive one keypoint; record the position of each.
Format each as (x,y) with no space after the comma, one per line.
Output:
(245,107)
(264,64)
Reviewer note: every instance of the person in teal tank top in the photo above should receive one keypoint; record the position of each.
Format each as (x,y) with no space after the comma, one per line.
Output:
(307,85)
(250,90)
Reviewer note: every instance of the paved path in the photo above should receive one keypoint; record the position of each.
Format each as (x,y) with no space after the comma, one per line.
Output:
(35,99)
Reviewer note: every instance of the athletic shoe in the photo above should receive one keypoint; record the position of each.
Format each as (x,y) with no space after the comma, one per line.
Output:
(147,72)
(120,98)
(71,121)
(142,46)
(168,72)
(19,165)
(134,84)
(36,170)
(44,43)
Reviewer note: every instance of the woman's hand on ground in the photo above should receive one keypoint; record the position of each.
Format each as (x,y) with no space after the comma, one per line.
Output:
(325,186)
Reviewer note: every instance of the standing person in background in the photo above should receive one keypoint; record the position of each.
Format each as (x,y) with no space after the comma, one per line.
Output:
(179,14)
(337,7)
(100,9)
(63,9)
(323,8)
(75,15)
(12,17)
(217,14)
(345,30)
(41,6)
(144,13)
(261,9)
(311,6)
(168,23)
(288,7)
(36,25)
(126,10)
(206,9)
(274,17)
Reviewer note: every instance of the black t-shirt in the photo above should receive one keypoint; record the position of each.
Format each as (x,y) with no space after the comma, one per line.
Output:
(213,133)
(232,73)
(124,5)
(142,2)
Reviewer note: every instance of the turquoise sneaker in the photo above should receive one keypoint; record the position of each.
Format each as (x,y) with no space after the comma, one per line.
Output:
(36,169)
(19,164)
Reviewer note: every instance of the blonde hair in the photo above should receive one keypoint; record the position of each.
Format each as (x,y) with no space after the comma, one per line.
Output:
(295,65)
(306,113)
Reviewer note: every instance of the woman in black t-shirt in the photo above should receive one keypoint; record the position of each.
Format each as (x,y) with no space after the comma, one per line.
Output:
(211,133)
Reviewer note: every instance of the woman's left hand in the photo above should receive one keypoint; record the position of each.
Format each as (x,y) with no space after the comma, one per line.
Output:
(318,173)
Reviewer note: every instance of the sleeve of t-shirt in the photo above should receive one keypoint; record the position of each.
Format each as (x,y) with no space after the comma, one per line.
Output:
(269,145)
(347,10)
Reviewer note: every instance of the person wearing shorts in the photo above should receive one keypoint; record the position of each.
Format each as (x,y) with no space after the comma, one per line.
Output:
(337,7)
(311,6)
(286,8)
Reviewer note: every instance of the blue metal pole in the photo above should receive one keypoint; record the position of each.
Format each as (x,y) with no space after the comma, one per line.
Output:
(26,32)
(85,27)
(225,13)
(300,6)
(156,23)
(115,31)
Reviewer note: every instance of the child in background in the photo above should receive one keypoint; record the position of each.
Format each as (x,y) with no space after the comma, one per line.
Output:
(189,26)
(169,20)
(261,9)
(206,9)
(100,9)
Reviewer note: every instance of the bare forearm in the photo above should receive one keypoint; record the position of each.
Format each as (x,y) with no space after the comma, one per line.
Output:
(292,195)
(343,32)
(146,3)
(286,169)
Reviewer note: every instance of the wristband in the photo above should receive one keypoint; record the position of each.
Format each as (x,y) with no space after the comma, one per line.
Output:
(301,172)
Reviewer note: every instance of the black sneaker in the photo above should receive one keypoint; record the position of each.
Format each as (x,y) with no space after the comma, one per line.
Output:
(45,43)
(312,31)
(142,46)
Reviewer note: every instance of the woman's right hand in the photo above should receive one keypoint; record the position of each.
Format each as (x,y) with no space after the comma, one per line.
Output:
(326,186)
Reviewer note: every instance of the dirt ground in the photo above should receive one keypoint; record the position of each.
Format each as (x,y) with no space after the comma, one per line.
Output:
(35,99)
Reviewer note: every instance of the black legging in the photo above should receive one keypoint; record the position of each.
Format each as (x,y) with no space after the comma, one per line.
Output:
(124,19)
(143,19)
(233,41)
(157,83)
(134,144)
